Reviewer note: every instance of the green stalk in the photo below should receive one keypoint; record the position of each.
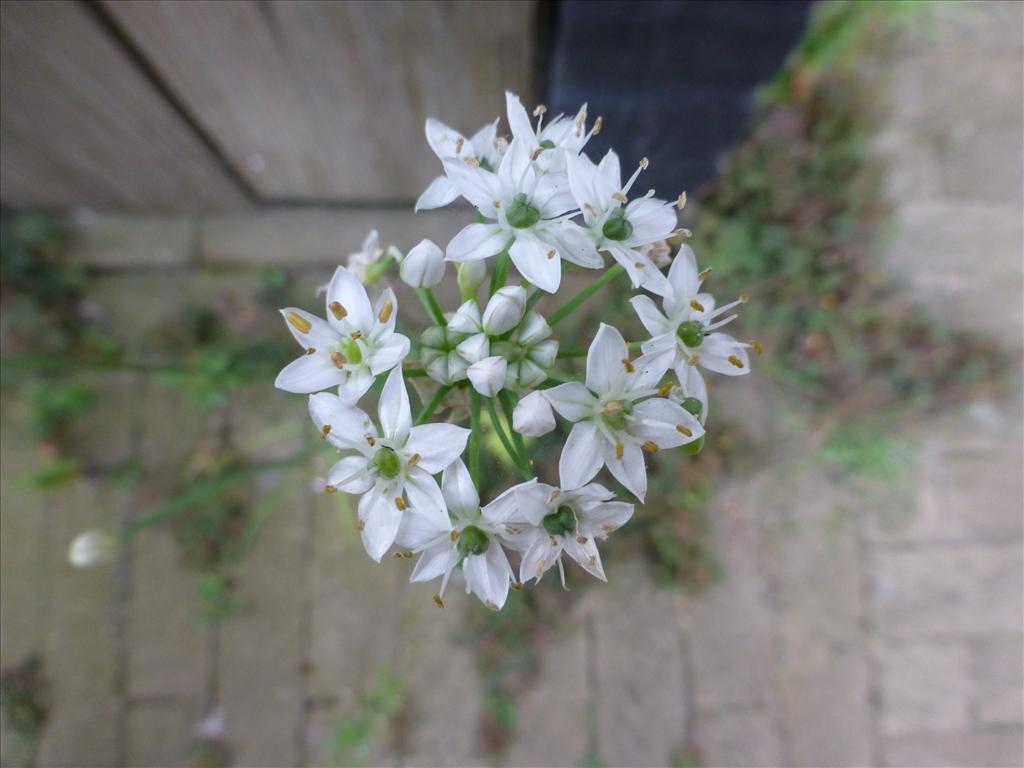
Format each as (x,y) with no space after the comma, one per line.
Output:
(474,436)
(536,296)
(570,306)
(500,273)
(429,408)
(430,304)
(509,449)
(507,406)
(561,378)
(580,352)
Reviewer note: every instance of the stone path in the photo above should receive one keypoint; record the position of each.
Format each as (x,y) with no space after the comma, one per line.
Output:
(858,622)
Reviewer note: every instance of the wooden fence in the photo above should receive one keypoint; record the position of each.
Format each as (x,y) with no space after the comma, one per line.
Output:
(164,105)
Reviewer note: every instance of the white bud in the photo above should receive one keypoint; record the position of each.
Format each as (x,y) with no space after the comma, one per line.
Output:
(544,354)
(533,329)
(504,310)
(475,348)
(531,375)
(423,266)
(471,276)
(92,547)
(488,375)
(533,416)
(433,337)
(466,319)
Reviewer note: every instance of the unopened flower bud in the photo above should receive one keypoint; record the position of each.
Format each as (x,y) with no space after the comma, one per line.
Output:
(475,348)
(488,375)
(471,276)
(533,329)
(466,319)
(532,416)
(423,266)
(504,310)
(91,548)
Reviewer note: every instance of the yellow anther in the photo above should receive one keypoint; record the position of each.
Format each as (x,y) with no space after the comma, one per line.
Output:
(619,450)
(414,460)
(581,539)
(607,528)
(400,503)
(684,430)
(694,359)
(620,197)
(311,351)
(471,161)
(492,605)
(458,145)
(370,440)
(356,335)
(598,124)
(385,312)
(539,110)
(696,305)
(555,493)
(744,298)
(665,388)
(497,203)
(338,359)
(703,274)
(329,489)
(681,201)
(590,209)
(337,310)
(552,253)
(536,153)
(438,601)
(298,322)
(326,430)
(735,361)
(650,446)
(639,265)
(644,162)
(360,525)
(757,346)
(682,232)
(630,368)
(455,535)
(516,585)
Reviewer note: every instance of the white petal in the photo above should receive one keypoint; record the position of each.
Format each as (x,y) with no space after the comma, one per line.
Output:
(655,322)
(435,562)
(437,444)
(393,408)
(537,262)
(474,349)
(652,220)
(458,489)
(576,246)
(649,368)
(602,517)
(518,119)
(605,369)
(483,143)
(682,276)
(538,558)
(478,186)
(309,373)
(350,475)
(630,469)
(692,384)
(532,415)
(515,504)
(658,420)
(572,400)
(477,241)
(440,193)
(389,354)
(489,575)
(426,498)
(581,457)
(488,375)
(380,518)
(347,426)
(466,318)
(504,310)
(444,141)
(383,329)
(423,266)
(356,385)
(641,270)
(320,335)
(715,352)
(346,289)
(585,553)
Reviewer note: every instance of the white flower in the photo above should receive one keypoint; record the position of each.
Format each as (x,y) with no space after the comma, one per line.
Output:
(440,356)
(685,329)
(618,230)
(529,352)
(423,266)
(447,143)
(466,330)
(369,254)
(532,415)
(354,345)
(549,144)
(504,310)
(617,416)
(469,535)
(525,214)
(393,466)
(570,522)
(488,375)
(91,548)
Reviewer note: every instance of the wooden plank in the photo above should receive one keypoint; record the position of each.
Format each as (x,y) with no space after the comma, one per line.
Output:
(327,100)
(81,124)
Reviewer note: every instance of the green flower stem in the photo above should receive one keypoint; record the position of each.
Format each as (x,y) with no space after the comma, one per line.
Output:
(536,296)
(581,352)
(474,436)
(429,408)
(430,304)
(509,449)
(570,306)
(500,273)
(507,405)
(559,377)
(414,373)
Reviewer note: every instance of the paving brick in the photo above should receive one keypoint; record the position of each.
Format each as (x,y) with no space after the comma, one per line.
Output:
(823,675)
(998,688)
(293,237)
(122,241)
(980,749)
(741,737)
(640,679)
(553,724)
(161,732)
(925,687)
(104,437)
(948,591)
(80,648)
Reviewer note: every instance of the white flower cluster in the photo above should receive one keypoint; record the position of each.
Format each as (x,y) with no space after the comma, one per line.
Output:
(539,201)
